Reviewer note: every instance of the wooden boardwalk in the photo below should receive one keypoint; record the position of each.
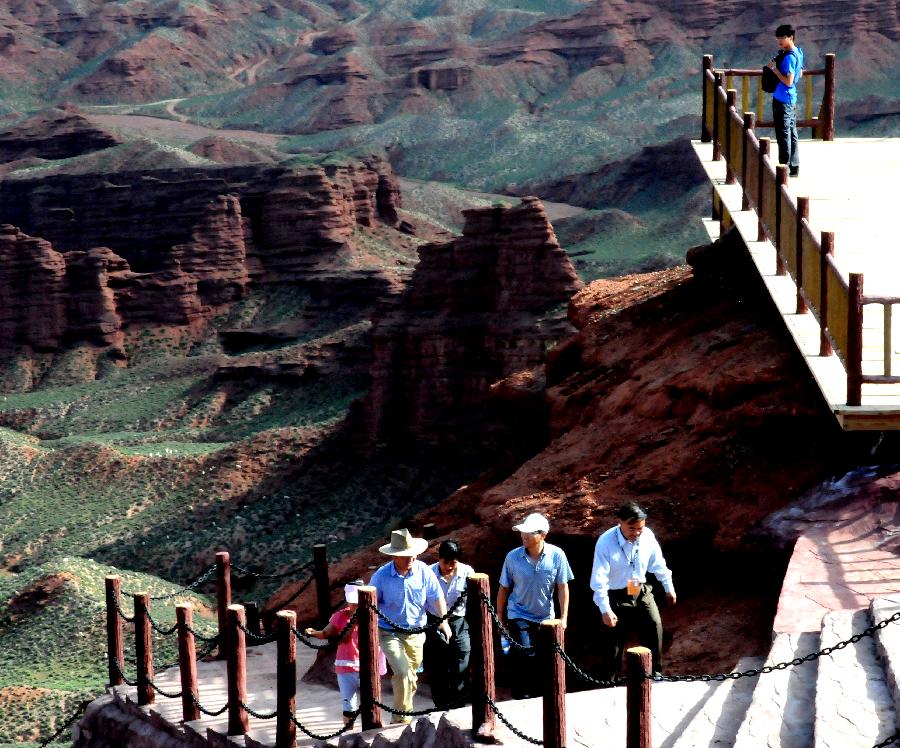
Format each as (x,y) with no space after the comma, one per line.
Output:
(849,185)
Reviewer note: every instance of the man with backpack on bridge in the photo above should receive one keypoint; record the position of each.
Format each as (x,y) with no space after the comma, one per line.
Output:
(787,67)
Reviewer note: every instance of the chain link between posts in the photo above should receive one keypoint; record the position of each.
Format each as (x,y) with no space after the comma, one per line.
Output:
(67,724)
(433,625)
(337,637)
(515,731)
(262,575)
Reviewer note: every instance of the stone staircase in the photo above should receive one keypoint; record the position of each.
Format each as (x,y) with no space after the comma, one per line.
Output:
(844,700)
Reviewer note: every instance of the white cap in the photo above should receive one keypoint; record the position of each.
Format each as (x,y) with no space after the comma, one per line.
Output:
(533,523)
(351,593)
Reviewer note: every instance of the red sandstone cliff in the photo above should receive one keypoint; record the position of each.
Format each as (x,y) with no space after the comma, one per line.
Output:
(680,390)
(475,310)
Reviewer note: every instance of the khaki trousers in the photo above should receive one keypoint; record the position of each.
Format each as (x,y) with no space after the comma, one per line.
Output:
(404,654)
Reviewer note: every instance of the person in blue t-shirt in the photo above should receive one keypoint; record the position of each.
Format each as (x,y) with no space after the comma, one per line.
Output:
(531,574)
(784,99)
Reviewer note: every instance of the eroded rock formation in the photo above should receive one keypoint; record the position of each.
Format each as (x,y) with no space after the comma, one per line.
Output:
(475,310)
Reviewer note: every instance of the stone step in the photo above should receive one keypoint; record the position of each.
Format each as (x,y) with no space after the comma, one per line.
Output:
(854,706)
(887,644)
(782,709)
(715,718)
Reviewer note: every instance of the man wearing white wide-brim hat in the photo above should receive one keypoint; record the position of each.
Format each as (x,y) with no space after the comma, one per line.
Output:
(406,589)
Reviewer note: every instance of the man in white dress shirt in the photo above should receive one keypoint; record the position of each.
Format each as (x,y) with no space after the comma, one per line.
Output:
(622,557)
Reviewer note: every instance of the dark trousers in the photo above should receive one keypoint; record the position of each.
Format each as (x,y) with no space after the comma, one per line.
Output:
(636,615)
(447,664)
(526,682)
(785,117)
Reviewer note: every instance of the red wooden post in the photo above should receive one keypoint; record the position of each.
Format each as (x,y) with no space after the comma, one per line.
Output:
(717,136)
(236,662)
(760,190)
(827,244)
(143,641)
(749,125)
(854,340)
(827,111)
(114,646)
(802,215)
(320,571)
(731,98)
(481,632)
(781,177)
(551,636)
(705,134)
(638,662)
(187,662)
(369,680)
(286,730)
(223,598)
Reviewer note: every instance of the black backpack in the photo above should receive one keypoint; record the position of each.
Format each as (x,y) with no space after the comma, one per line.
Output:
(769,79)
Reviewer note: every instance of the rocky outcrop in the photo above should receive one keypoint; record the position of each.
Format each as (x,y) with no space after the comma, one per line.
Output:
(85,256)
(475,310)
(53,134)
(31,270)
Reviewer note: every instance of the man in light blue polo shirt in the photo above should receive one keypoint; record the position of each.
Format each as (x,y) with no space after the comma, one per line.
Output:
(405,589)
(530,575)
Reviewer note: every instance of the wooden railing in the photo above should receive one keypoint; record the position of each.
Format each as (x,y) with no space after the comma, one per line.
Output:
(821,123)
(834,298)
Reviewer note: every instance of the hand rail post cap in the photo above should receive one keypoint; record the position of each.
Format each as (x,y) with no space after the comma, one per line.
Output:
(638,650)
(366,588)
(236,607)
(552,622)
(112,576)
(478,575)
(185,605)
(286,614)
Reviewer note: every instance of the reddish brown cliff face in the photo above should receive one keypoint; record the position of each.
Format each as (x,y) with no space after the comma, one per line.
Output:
(475,310)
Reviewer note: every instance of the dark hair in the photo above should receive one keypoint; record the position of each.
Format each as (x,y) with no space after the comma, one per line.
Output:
(631,510)
(450,550)
(785,30)
(357,582)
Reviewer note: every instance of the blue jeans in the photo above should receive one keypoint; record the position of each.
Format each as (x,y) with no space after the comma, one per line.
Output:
(785,117)
(348,683)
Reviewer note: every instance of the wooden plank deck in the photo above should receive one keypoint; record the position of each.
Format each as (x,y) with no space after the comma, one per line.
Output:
(849,182)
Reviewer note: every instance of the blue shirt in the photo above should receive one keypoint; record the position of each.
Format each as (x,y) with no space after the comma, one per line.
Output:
(404,599)
(532,584)
(616,561)
(792,62)
(454,588)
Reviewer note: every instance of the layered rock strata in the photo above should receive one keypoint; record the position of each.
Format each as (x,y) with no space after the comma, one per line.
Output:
(83,256)
(475,310)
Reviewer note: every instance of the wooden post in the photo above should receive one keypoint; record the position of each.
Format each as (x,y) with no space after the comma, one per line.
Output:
(705,134)
(888,311)
(286,704)
(323,593)
(481,632)
(764,144)
(717,136)
(802,215)
(369,680)
(114,647)
(781,177)
(551,635)
(187,662)
(236,662)
(251,610)
(223,598)
(143,642)
(827,245)
(638,662)
(749,124)
(827,112)
(854,340)
(731,98)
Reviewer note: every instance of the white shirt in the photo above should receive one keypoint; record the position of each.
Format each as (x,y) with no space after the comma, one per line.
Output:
(454,587)
(616,561)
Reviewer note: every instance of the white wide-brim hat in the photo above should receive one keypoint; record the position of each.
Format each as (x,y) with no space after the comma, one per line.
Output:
(404,544)
(533,523)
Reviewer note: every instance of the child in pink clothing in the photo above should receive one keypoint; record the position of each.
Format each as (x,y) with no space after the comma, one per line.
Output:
(346,660)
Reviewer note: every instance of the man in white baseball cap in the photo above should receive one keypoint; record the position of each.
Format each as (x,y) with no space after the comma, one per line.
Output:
(530,575)
(406,589)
